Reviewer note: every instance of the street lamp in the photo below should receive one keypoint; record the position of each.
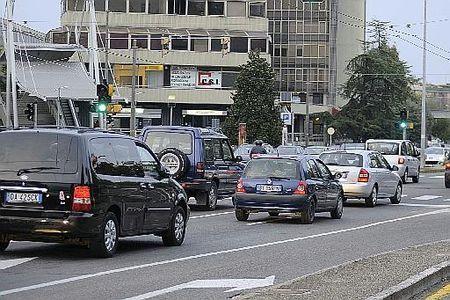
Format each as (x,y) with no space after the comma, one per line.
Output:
(423,132)
(171,103)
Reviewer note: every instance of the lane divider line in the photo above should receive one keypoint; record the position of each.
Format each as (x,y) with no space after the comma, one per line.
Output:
(216,253)
(211,215)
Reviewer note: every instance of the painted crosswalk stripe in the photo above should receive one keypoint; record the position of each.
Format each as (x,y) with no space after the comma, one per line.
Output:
(437,177)
(426,197)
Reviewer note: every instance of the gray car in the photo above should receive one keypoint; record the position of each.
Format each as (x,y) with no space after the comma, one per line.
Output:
(365,174)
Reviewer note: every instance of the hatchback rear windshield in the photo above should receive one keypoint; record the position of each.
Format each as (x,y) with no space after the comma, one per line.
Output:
(438,151)
(159,140)
(342,159)
(24,150)
(272,168)
(385,148)
(287,150)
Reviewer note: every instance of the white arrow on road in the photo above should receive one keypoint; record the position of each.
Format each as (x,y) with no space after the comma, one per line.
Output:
(9,263)
(234,284)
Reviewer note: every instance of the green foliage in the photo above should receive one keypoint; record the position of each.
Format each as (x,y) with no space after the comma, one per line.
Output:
(254,103)
(441,128)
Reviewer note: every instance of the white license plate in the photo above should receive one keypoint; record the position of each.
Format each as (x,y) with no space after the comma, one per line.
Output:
(269,188)
(23,198)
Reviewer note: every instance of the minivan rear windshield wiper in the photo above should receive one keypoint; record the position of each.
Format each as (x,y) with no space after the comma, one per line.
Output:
(35,170)
(279,178)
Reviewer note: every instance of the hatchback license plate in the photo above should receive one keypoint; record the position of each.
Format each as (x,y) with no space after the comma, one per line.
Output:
(269,188)
(23,198)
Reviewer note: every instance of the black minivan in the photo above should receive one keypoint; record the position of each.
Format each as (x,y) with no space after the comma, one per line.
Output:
(87,187)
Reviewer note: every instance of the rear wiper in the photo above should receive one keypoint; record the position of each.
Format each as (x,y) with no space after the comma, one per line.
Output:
(35,170)
(279,178)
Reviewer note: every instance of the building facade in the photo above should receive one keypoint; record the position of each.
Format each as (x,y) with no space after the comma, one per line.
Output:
(188,56)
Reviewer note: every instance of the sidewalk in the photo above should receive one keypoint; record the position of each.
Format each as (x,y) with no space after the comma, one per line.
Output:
(360,279)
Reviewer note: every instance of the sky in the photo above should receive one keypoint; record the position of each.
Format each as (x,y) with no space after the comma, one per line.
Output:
(44,15)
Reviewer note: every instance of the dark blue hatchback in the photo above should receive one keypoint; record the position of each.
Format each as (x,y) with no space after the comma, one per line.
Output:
(277,185)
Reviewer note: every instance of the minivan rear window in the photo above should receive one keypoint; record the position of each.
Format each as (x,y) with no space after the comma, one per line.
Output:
(342,159)
(272,168)
(385,148)
(23,150)
(160,140)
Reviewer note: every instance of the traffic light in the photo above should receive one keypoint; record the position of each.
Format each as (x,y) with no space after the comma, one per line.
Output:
(104,97)
(29,111)
(403,119)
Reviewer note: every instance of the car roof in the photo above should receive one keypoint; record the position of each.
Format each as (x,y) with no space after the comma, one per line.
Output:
(387,141)
(66,130)
(351,151)
(198,132)
(299,157)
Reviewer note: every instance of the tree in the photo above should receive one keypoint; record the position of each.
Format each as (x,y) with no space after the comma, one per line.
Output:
(254,103)
(440,128)
(379,86)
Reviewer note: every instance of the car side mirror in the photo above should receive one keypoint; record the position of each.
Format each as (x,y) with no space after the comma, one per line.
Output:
(394,168)
(238,158)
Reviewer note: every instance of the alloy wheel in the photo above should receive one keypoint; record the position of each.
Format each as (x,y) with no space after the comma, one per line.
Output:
(179,226)
(110,235)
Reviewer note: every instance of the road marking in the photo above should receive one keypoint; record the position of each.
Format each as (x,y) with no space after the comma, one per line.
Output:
(404,196)
(437,177)
(424,205)
(257,223)
(426,197)
(9,263)
(234,284)
(447,200)
(441,294)
(216,253)
(211,215)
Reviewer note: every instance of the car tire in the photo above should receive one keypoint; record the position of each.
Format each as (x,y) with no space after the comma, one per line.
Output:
(241,215)
(397,198)
(106,244)
(372,200)
(416,179)
(308,216)
(175,161)
(274,214)
(447,184)
(405,176)
(174,236)
(338,211)
(211,196)
(4,243)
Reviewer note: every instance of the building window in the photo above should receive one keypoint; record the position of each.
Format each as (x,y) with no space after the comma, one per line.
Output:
(236,9)
(196,7)
(216,8)
(155,42)
(299,50)
(317,99)
(322,51)
(216,46)
(60,37)
(156,6)
(99,5)
(141,40)
(137,6)
(199,44)
(258,45)
(177,7)
(75,5)
(117,6)
(239,45)
(179,43)
(118,41)
(229,78)
(258,9)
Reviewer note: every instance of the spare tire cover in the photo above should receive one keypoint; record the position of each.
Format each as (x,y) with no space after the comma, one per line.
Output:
(175,161)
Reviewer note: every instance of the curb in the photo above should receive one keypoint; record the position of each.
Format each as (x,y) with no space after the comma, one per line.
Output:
(415,284)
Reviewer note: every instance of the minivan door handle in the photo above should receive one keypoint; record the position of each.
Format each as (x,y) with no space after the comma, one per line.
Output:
(143,185)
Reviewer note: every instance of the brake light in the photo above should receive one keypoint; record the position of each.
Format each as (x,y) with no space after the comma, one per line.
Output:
(240,186)
(401,160)
(447,166)
(302,188)
(82,199)
(363,176)
(200,168)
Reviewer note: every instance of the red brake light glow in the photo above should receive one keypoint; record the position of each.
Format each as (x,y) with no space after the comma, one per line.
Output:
(302,188)
(200,168)
(240,186)
(363,176)
(447,166)
(82,199)
(401,160)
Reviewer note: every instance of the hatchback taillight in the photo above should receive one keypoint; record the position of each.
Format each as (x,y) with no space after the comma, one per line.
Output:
(82,199)
(240,186)
(302,188)
(401,160)
(200,168)
(363,176)
(447,166)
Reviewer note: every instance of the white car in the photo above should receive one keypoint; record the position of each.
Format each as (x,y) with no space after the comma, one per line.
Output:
(436,155)
(400,153)
(364,174)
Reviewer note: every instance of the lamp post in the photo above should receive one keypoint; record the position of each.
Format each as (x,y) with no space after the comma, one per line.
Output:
(423,129)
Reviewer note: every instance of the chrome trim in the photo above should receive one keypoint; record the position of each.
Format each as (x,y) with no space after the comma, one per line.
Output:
(156,209)
(23,189)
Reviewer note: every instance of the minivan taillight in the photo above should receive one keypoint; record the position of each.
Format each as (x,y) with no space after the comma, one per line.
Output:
(240,186)
(363,176)
(447,166)
(82,199)
(200,168)
(302,188)
(401,160)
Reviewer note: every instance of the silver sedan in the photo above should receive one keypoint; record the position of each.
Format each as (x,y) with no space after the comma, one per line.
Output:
(365,174)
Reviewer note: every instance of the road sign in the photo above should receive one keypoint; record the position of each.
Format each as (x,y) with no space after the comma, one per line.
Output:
(286,118)
(331,130)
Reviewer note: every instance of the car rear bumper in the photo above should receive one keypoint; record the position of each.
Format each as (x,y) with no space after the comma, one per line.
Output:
(270,203)
(196,185)
(357,190)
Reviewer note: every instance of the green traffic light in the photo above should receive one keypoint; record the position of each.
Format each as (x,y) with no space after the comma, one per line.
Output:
(101,107)
(403,124)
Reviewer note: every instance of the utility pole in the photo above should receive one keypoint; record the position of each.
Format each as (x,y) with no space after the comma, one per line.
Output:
(133,93)
(307,114)
(423,129)
(12,62)
(35,117)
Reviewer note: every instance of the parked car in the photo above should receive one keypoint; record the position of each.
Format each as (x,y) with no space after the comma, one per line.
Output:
(289,150)
(200,159)
(400,153)
(447,172)
(85,186)
(277,185)
(365,174)
(436,155)
(315,151)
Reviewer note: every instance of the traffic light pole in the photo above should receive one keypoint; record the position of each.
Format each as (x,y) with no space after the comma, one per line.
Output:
(423,130)
(35,117)
(133,92)
(404,133)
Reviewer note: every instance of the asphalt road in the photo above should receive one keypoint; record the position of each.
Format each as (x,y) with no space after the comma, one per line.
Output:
(218,247)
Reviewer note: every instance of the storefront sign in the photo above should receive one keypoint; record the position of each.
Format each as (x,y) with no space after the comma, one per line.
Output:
(209,79)
(183,77)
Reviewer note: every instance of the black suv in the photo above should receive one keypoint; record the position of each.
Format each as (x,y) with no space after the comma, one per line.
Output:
(201,159)
(85,186)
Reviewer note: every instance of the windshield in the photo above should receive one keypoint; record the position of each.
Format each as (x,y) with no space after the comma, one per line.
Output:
(287,151)
(272,168)
(385,148)
(159,141)
(314,151)
(342,159)
(49,152)
(438,151)
(353,146)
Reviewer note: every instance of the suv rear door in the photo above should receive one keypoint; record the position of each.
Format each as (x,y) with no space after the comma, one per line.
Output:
(234,171)
(215,163)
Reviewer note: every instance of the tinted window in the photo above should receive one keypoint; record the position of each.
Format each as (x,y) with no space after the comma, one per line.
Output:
(103,160)
(410,149)
(269,168)
(383,162)
(313,171)
(374,163)
(404,149)
(216,8)
(342,159)
(323,170)
(148,161)
(158,141)
(227,152)
(385,148)
(34,149)
(213,150)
